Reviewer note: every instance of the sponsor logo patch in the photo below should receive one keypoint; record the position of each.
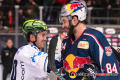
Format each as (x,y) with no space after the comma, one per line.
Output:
(83,44)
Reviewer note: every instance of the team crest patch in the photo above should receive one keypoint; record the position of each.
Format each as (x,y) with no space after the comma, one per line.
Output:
(108,51)
(83,44)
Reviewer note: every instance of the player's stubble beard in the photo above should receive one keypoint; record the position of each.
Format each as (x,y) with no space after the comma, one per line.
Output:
(72,31)
(69,29)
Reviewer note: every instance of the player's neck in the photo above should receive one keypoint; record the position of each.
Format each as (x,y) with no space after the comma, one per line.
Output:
(30,43)
(79,30)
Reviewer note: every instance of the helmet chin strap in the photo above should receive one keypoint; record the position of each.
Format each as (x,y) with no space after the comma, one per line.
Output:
(73,25)
(34,41)
(71,35)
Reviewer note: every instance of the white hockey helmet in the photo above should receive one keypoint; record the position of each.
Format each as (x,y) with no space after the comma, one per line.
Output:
(78,9)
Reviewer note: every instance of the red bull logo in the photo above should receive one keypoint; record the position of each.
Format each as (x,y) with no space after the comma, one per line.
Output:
(75,5)
(73,63)
(108,50)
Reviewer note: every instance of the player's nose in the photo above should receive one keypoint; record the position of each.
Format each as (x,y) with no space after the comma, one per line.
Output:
(63,25)
(45,38)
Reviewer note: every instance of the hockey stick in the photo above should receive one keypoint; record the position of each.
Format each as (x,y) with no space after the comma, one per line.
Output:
(51,57)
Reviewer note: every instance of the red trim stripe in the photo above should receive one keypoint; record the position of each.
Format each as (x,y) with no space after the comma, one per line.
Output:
(95,39)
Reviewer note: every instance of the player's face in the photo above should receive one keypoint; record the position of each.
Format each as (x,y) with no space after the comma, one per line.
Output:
(66,25)
(41,38)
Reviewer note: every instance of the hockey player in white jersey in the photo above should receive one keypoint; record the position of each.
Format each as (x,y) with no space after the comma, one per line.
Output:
(29,62)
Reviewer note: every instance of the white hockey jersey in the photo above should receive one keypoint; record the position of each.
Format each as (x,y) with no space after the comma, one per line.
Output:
(58,50)
(29,64)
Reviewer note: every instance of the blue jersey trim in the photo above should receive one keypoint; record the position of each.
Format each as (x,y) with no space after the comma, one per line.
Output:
(45,63)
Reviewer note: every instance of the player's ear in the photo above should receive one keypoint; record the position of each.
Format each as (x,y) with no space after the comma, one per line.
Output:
(32,37)
(75,20)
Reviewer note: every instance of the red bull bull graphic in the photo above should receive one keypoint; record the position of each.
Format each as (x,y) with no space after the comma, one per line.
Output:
(108,51)
(74,6)
(79,62)
(73,63)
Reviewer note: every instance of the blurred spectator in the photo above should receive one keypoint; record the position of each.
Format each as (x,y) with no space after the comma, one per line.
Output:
(48,8)
(94,3)
(96,12)
(19,2)
(4,7)
(116,4)
(1,7)
(1,14)
(1,19)
(107,4)
(89,3)
(116,12)
(61,2)
(9,21)
(8,2)
(57,8)
(7,57)
(21,17)
(31,10)
(68,1)
(107,12)
(39,2)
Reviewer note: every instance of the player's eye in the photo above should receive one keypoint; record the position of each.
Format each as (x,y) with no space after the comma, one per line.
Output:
(43,35)
(64,21)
